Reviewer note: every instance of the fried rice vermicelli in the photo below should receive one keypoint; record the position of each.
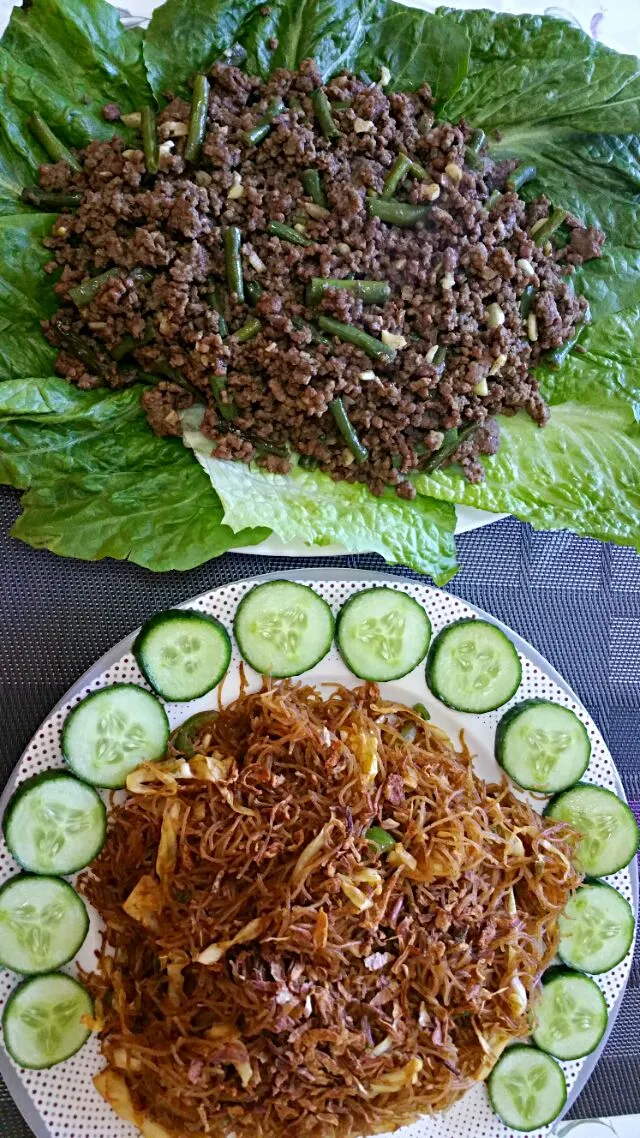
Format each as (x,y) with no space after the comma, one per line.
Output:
(269,970)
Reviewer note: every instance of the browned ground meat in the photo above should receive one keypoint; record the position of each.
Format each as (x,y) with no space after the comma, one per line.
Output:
(457,280)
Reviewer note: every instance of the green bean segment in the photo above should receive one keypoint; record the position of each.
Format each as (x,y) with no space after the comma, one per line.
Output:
(150,140)
(312,185)
(371,292)
(287,233)
(198,118)
(85,292)
(248,331)
(351,335)
(232,239)
(326,121)
(49,201)
(260,131)
(56,150)
(397,213)
(348,431)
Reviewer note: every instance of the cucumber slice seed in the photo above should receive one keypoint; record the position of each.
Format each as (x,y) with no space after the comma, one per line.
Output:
(570,1014)
(527,1088)
(610,831)
(473,667)
(283,628)
(43,923)
(382,634)
(542,745)
(596,928)
(182,654)
(42,1020)
(112,731)
(54,824)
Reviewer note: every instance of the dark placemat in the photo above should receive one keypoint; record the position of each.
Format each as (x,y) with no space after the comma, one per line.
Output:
(576,601)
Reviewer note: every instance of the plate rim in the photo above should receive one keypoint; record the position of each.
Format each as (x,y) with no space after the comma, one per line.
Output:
(12,1080)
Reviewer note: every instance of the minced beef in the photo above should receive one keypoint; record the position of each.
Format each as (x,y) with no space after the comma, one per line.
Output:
(466,345)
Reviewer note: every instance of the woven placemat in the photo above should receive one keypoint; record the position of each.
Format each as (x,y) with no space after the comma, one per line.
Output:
(575,600)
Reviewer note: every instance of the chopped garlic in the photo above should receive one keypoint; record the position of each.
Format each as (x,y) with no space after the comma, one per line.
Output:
(431,191)
(300,228)
(255,261)
(130,154)
(343,249)
(515,846)
(431,354)
(367,375)
(495,316)
(367,876)
(392,340)
(511,902)
(498,363)
(347,457)
(381,1048)
(363,126)
(316,211)
(525,267)
(453,172)
(447,282)
(481,388)
(385,76)
(237,190)
(173,129)
(134,119)
(164,154)
(532,327)
(61,231)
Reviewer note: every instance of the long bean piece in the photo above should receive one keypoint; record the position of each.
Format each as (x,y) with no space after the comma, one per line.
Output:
(150,140)
(317,337)
(215,300)
(450,443)
(87,291)
(371,292)
(48,200)
(322,107)
(253,291)
(549,226)
(312,184)
(348,431)
(232,239)
(472,155)
(56,150)
(198,118)
(260,130)
(81,347)
(248,331)
(286,233)
(526,301)
(351,335)
(397,213)
(227,409)
(130,343)
(396,175)
(520,176)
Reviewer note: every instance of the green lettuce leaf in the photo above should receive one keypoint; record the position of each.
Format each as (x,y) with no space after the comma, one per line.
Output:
(101,484)
(309,506)
(66,59)
(581,471)
(549,94)
(417,47)
(26,295)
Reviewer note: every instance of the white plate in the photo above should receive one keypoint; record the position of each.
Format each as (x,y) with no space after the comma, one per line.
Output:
(53,1101)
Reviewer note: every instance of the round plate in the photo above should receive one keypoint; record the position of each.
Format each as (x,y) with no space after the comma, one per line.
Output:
(53,1101)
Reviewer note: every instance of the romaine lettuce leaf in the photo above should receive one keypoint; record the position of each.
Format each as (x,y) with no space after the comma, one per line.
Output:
(309,506)
(581,472)
(101,484)
(66,59)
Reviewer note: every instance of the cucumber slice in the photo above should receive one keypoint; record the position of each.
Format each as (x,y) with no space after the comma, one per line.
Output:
(570,1014)
(527,1088)
(610,830)
(43,922)
(183,655)
(112,731)
(42,1021)
(54,824)
(473,666)
(596,928)
(542,745)
(283,628)
(382,634)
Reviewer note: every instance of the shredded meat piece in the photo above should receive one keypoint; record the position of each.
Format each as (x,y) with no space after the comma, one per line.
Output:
(273,998)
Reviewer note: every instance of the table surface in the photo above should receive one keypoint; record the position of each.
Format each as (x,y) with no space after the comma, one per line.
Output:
(575,600)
